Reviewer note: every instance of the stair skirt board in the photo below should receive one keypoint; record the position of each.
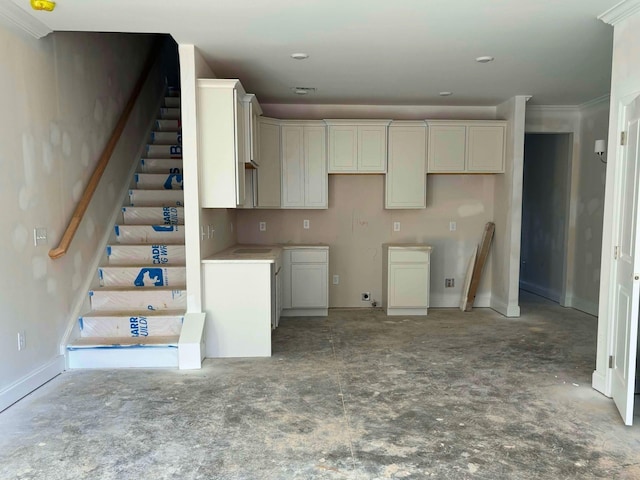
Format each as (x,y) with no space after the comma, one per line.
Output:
(156,198)
(166,138)
(142,276)
(159,352)
(149,234)
(167,125)
(159,181)
(160,165)
(134,324)
(153,215)
(125,300)
(164,151)
(161,254)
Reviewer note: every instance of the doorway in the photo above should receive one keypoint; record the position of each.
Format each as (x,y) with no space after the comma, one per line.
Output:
(545,214)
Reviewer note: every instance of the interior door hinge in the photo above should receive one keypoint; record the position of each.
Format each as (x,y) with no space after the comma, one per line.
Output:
(616,250)
(623,138)
(610,361)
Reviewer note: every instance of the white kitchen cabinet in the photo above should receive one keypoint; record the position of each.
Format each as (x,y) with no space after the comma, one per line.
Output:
(304,165)
(470,146)
(305,281)
(269,173)
(406,270)
(252,112)
(406,179)
(221,143)
(357,146)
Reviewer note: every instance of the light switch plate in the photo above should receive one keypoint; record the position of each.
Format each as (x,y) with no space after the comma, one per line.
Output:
(263,226)
(396,226)
(305,224)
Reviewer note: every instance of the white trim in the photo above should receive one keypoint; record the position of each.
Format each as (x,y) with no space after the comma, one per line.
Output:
(595,101)
(599,383)
(553,108)
(541,291)
(23,20)
(191,346)
(586,306)
(452,300)
(501,307)
(305,312)
(620,12)
(27,384)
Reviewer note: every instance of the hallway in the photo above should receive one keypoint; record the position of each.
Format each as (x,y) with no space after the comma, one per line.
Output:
(355,396)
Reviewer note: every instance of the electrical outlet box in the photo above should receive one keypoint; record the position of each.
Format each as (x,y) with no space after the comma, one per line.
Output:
(263,226)
(336,279)
(396,226)
(452,226)
(366,296)
(449,282)
(39,236)
(305,224)
(22,341)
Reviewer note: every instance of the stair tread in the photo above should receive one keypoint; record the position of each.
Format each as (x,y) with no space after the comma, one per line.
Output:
(85,342)
(135,266)
(139,289)
(134,313)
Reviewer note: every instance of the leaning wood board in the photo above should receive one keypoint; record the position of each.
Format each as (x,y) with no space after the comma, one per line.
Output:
(481,259)
(467,280)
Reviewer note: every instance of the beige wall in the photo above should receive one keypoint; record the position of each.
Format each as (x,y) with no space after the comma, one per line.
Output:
(62,96)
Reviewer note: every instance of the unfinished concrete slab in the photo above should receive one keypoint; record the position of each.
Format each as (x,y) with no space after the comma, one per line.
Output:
(357,395)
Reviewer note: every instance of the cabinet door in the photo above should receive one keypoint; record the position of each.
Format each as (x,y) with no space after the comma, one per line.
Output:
(293,175)
(447,148)
(408,285)
(343,148)
(485,148)
(372,148)
(269,174)
(241,148)
(315,167)
(406,179)
(309,285)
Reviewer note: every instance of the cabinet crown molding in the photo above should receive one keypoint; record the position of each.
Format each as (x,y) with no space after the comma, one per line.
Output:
(222,83)
(23,20)
(620,12)
(341,121)
(466,122)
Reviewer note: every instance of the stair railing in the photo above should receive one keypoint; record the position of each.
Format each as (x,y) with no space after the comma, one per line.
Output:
(85,200)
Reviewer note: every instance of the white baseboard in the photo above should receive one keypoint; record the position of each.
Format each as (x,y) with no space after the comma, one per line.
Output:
(586,306)
(452,300)
(29,383)
(599,383)
(503,308)
(542,291)
(191,346)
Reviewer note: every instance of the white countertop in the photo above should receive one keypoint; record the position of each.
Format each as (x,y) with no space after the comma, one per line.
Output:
(248,253)
(411,246)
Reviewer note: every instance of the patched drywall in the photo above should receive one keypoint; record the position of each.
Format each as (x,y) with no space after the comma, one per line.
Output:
(356,225)
(62,96)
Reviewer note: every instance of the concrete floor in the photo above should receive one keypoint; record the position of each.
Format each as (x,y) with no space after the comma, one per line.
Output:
(355,396)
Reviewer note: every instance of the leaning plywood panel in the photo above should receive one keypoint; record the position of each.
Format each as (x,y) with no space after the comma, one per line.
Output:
(467,280)
(481,259)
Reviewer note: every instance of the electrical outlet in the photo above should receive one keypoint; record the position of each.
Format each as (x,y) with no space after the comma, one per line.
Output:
(336,279)
(396,226)
(449,283)
(452,226)
(39,236)
(263,226)
(305,224)
(366,296)
(22,341)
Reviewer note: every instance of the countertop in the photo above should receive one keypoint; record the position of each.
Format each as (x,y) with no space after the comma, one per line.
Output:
(413,246)
(231,254)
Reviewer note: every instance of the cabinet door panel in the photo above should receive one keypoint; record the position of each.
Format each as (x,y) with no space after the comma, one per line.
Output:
(293,175)
(447,148)
(269,173)
(485,147)
(408,286)
(241,148)
(309,286)
(372,148)
(315,165)
(343,148)
(406,181)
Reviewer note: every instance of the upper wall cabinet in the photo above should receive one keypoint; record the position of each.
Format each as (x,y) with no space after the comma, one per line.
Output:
(305,182)
(406,179)
(221,143)
(357,146)
(252,112)
(471,146)
(269,174)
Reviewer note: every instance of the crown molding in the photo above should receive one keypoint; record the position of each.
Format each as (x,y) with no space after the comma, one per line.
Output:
(619,12)
(23,20)
(595,101)
(553,108)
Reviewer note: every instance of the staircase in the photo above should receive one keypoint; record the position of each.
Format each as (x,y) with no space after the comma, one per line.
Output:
(137,312)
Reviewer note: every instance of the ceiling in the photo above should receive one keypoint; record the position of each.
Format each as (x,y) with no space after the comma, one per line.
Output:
(401,52)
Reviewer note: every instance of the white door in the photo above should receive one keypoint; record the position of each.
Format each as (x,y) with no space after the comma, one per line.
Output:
(627,287)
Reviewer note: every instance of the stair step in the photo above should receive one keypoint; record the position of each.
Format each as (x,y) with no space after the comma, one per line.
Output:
(164,151)
(168,125)
(161,254)
(172,91)
(123,352)
(166,138)
(172,102)
(159,181)
(156,198)
(137,234)
(153,215)
(131,324)
(169,113)
(127,299)
(160,165)
(147,276)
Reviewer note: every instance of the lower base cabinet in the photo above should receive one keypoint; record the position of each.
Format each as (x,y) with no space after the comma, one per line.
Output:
(406,271)
(305,281)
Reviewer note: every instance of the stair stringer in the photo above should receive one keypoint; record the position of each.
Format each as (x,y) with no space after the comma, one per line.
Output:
(81,303)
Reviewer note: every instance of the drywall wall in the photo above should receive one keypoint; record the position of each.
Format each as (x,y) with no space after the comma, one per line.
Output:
(625,86)
(62,96)
(220,221)
(508,212)
(545,209)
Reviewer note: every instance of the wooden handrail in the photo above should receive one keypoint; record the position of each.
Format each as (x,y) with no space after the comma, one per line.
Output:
(90,189)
